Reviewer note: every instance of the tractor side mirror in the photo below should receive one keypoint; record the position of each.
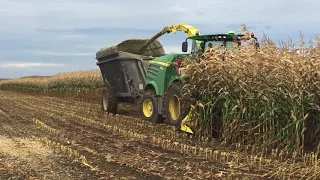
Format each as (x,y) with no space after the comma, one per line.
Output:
(185,46)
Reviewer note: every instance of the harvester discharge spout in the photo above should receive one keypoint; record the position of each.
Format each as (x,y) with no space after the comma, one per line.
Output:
(189,30)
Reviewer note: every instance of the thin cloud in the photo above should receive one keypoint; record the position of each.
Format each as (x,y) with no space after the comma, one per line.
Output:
(50,53)
(72,37)
(28,65)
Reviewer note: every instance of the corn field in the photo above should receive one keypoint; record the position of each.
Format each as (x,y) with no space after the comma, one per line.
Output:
(80,85)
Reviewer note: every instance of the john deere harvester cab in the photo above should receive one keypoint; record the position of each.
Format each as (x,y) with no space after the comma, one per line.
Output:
(228,41)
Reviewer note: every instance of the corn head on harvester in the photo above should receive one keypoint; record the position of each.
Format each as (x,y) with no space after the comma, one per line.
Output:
(139,70)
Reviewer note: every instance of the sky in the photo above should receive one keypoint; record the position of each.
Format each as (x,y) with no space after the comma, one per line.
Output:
(46,37)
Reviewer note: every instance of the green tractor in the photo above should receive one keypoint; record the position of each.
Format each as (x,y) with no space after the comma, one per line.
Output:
(152,78)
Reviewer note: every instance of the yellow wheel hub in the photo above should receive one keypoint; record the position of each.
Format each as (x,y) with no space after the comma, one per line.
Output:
(174,107)
(147,108)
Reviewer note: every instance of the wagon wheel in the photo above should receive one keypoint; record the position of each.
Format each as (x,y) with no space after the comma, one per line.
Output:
(109,101)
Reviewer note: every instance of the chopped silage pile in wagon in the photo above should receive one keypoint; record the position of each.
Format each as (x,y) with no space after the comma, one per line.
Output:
(268,97)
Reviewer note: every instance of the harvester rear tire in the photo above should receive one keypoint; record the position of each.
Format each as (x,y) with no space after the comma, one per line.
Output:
(109,101)
(149,100)
(174,94)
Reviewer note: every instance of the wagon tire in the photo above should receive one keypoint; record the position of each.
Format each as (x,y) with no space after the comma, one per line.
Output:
(109,101)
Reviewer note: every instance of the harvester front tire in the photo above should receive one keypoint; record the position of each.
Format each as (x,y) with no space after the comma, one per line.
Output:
(176,107)
(109,101)
(148,107)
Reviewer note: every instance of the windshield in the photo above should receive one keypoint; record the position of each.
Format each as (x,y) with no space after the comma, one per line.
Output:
(201,46)
(196,46)
(228,44)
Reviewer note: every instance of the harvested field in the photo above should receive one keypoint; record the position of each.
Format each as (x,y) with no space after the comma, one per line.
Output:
(57,139)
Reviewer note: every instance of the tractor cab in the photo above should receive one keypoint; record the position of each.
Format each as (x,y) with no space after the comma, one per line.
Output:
(227,42)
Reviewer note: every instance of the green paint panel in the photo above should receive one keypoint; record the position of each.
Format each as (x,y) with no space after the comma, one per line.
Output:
(162,72)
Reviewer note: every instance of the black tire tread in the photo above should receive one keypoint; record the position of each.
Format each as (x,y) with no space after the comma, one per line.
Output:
(112,100)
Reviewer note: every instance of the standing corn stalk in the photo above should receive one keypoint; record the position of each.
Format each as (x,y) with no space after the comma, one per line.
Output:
(269,97)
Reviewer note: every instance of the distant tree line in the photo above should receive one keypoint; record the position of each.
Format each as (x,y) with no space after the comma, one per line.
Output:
(36,77)
(1,79)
